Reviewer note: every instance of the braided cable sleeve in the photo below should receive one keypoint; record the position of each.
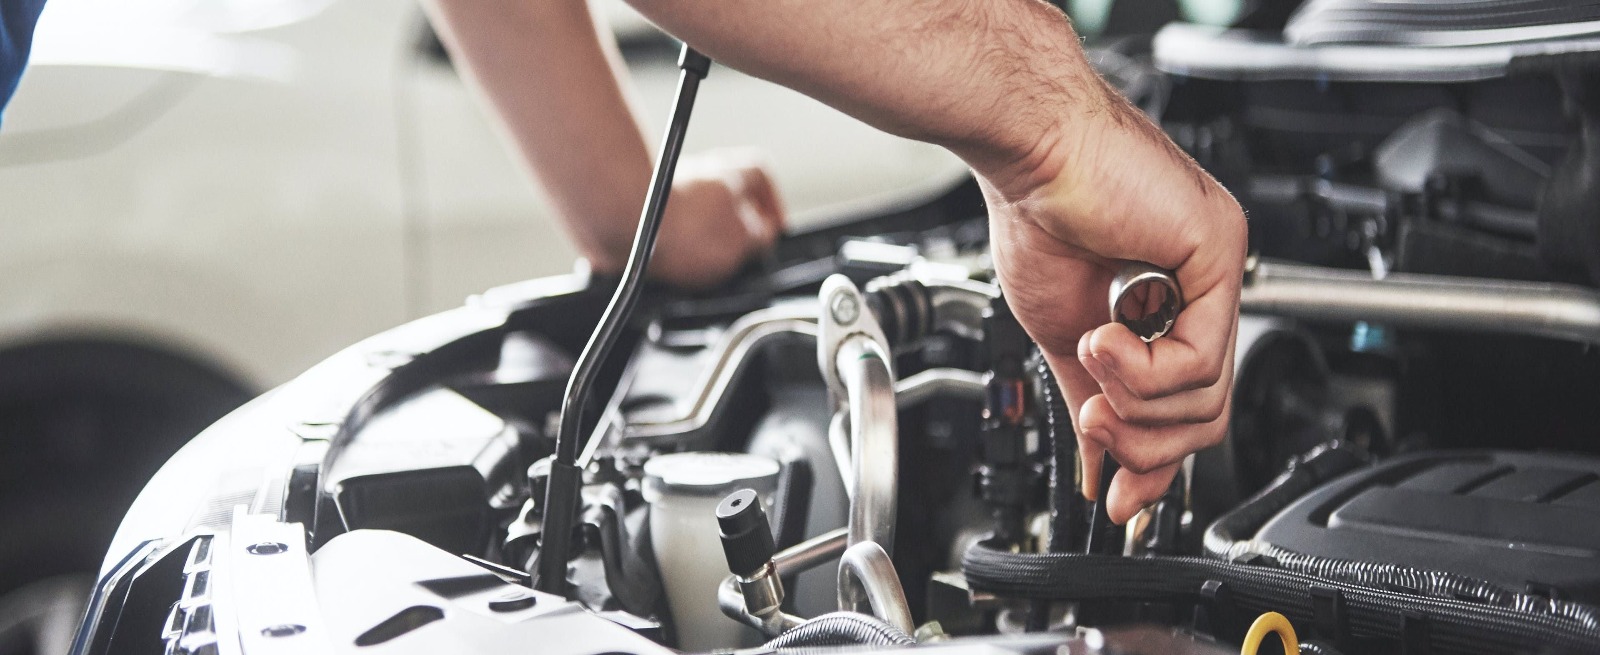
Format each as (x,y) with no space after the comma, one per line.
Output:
(1455,625)
(842,629)
(1317,648)
(1230,539)
(1065,503)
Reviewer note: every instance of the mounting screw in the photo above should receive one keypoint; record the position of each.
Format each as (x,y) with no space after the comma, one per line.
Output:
(844,307)
(513,601)
(266,548)
(284,630)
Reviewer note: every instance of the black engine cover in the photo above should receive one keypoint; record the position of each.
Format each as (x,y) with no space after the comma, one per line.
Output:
(1528,521)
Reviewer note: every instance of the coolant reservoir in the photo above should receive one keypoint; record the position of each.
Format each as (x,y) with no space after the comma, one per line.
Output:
(683,490)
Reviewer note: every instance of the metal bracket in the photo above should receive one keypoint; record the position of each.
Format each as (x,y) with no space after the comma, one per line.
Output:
(843,316)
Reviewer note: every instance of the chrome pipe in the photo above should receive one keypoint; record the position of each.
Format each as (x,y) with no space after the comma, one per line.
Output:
(867,577)
(839,446)
(1557,311)
(874,440)
(958,305)
(757,601)
(918,388)
(911,391)
(745,336)
(810,553)
(771,620)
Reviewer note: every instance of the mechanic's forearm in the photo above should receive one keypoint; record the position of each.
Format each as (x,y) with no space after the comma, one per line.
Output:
(554,83)
(999,82)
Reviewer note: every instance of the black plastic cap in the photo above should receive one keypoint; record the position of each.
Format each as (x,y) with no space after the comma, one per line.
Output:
(746,535)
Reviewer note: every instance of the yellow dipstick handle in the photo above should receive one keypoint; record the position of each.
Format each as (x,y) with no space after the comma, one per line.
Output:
(1270,622)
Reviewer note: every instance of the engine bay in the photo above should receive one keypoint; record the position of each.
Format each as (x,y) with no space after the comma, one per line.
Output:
(856,444)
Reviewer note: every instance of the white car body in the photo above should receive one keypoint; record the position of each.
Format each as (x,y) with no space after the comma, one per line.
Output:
(254,184)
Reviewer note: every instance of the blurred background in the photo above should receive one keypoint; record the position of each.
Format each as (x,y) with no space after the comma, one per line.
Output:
(203,198)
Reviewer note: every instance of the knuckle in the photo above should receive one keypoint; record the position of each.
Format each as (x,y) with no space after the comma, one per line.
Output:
(1142,388)
(1213,370)
(1216,405)
(1127,406)
(1153,415)
(1207,372)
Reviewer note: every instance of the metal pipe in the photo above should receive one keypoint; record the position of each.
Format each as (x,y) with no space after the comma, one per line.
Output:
(958,305)
(744,337)
(874,440)
(867,576)
(773,622)
(766,615)
(1558,311)
(918,388)
(839,446)
(810,553)
(753,332)
(913,390)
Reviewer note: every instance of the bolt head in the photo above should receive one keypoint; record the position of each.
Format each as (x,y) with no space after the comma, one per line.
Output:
(284,630)
(513,601)
(266,548)
(844,307)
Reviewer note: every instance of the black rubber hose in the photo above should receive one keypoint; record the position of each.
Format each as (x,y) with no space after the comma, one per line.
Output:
(842,629)
(1454,625)
(1231,537)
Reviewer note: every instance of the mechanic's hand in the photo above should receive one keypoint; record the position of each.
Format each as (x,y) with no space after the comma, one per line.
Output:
(1115,188)
(723,210)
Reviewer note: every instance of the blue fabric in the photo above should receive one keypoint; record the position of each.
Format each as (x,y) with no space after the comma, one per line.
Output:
(17,18)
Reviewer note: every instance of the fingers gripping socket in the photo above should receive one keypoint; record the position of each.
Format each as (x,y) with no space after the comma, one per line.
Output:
(1146,299)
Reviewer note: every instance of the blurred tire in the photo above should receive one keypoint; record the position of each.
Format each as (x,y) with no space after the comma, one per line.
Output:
(83,425)
(41,618)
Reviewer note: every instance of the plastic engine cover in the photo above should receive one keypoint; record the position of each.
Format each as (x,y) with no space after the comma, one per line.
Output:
(1527,521)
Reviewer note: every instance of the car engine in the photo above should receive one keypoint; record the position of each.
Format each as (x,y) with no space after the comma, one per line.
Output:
(855,444)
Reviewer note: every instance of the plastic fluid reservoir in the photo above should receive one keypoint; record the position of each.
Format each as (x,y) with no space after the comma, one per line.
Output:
(683,490)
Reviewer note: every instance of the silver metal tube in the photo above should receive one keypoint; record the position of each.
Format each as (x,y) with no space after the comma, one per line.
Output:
(730,599)
(867,576)
(839,446)
(874,439)
(918,388)
(766,590)
(763,594)
(744,336)
(911,391)
(958,305)
(811,553)
(1558,311)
